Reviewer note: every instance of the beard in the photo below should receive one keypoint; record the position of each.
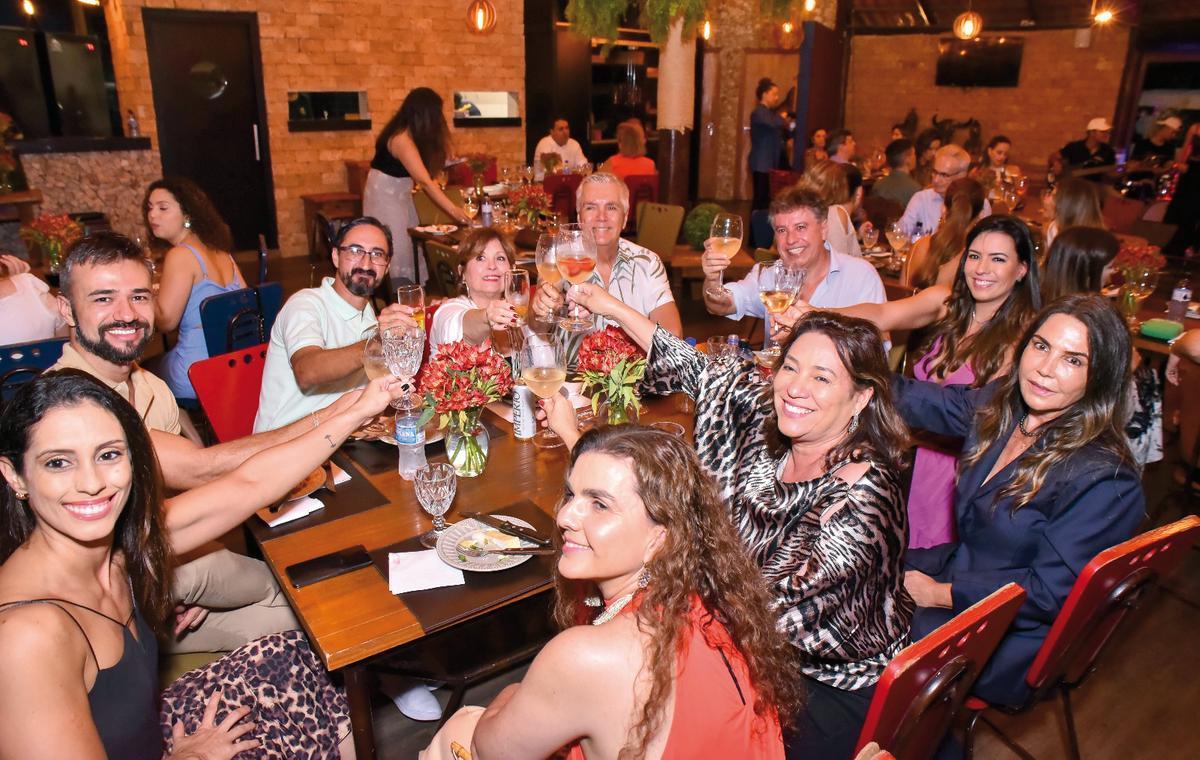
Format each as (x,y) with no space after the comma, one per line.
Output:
(107,351)
(354,281)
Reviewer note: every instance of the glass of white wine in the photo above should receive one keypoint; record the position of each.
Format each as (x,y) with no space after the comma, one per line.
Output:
(546,260)
(778,286)
(870,236)
(413,296)
(575,257)
(471,208)
(374,363)
(725,238)
(543,363)
(516,292)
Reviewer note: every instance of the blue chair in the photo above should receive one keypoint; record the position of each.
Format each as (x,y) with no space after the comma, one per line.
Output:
(241,319)
(21,362)
(761,234)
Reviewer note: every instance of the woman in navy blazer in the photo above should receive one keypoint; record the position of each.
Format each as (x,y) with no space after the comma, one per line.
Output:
(1046,481)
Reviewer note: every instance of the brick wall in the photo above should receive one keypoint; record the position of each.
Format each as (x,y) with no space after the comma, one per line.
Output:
(381,46)
(1061,88)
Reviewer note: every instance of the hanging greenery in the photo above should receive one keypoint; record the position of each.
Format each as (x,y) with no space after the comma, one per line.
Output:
(596,18)
(659,14)
(600,18)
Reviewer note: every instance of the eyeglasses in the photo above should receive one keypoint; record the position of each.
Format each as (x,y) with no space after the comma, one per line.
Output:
(357,252)
(948,175)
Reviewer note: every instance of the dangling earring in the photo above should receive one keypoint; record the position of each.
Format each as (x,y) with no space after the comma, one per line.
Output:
(853,426)
(644,578)
(187,224)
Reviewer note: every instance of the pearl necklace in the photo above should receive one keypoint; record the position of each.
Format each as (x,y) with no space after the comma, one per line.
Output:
(611,610)
(1021,427)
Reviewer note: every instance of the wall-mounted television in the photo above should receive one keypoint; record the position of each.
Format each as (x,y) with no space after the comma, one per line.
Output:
(981,62)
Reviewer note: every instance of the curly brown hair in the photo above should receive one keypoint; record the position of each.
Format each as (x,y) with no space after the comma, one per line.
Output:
(207,223)
(703,557)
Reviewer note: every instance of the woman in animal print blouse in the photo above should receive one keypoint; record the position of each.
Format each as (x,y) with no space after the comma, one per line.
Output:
(809,466)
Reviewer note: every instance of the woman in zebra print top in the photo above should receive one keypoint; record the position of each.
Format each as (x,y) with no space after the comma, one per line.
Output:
(808,465)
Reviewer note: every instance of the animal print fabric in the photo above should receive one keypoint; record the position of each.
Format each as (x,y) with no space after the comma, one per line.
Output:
(297,712)
(832,552)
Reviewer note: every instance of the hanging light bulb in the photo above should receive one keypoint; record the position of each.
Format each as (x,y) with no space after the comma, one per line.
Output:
(27,6)
(968,25)
(788,27)
(706,30)
(1104,16)
(810,5)
(481,16)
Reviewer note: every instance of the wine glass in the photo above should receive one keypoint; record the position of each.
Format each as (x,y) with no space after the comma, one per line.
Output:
(374,362)
(725,238)
(543,363)
(403,349)
(413,296)
(778,286)
(471,208)
(435,485)
(870,235)
(575,257)
(516,292)
(546,258)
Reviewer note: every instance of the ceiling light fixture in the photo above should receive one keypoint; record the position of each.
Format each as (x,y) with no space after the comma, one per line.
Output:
(810,6)
(90,2)
(1104,16)
(968,25)
(27,6)
(481,16)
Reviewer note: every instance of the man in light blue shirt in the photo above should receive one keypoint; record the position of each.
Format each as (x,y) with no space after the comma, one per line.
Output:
(924,211)
(832,278)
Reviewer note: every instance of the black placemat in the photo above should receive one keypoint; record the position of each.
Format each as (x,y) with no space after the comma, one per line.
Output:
(375,457)
(438,608)
(354,496)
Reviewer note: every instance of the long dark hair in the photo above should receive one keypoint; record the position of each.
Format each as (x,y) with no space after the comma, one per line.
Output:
(1098,417)
(207,223)
(703,557)
(139,535)
(1076,261)
(1077,204)
(421,115)
(987,349)
(963,202)
(881,435)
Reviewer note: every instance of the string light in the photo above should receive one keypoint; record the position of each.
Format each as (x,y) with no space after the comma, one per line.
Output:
(90,2)
(787,27)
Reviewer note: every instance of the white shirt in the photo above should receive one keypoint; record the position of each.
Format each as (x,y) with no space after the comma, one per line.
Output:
(447,324)
(850,281)
(638,279)
(312,317)
(841,233)
(925,207)
(571,154)
(27,314)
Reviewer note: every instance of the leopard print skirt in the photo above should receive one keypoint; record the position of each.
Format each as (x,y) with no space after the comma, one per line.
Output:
(297,711)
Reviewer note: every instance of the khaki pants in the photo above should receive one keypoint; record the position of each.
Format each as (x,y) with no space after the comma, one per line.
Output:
(244,601)
(453,741)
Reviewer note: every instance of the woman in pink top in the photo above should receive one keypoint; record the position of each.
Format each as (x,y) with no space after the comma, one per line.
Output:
(670,648)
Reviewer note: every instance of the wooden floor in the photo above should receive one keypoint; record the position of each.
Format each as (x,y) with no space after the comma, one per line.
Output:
(1139,704)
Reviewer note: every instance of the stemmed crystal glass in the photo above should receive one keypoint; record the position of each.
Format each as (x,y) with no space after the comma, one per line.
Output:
(778,286)
(435,485)
(725,237)
(870,235)
(575,257)
(374,362)
(546,260)
(403,349)
(543,363)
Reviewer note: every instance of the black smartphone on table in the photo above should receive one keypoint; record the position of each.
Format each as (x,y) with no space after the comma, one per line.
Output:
(327,566)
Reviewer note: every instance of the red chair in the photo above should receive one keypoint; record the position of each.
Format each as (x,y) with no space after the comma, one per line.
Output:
(461,174)
(227,387)
(925,685)
(561,188)
(643,188)
(1106,593)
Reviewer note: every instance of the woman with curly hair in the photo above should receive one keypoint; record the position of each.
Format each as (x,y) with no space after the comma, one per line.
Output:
(182,222)
(809,467)
(681,659)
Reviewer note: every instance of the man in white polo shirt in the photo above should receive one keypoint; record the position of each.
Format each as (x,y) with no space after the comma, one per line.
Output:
(316,349)
(831,279)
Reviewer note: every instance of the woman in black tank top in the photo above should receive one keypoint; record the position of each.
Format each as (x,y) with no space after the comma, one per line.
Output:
(85,547)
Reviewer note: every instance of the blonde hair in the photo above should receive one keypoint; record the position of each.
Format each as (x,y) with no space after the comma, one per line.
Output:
(631,139)
(827,179)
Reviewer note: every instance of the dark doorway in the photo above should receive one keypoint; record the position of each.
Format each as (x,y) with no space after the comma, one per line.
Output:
(206,73)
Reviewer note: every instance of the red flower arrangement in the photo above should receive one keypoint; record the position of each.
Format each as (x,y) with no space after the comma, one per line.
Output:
(52,233)
(612,365)
(461,380)
(1132,257)
(530,202)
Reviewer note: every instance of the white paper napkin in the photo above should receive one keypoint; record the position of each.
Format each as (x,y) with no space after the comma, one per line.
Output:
(417,571)
(339,475)
(292,510)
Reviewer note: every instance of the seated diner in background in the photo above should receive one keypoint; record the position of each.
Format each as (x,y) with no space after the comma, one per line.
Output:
(484,256)
(832,278)
(809,467)
(1092,155)
(86,548)
(898,186)
(924,211)
(633,274)
(928,142)
(195,243)
(994,167)
(1047,480)
(1078,261)
(557,151)
(630,158)
(934,258)
(316,349)
(28,312)
(1073,202)
(682,657)
(839,186)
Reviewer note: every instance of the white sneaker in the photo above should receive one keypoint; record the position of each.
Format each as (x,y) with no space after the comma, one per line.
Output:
(418,703)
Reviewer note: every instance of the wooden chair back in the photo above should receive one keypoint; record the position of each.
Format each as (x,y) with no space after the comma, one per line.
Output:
(441,261)
(643,188)
(561,189)
(658,227)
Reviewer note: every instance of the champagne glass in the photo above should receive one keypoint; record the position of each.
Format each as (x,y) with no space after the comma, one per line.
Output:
(778,286)
(374,362)
(435,485)
(724,237)
(413,296)
(575,257)
(516,292)
(543,363)
(870,235)
(403,349)
(546,260)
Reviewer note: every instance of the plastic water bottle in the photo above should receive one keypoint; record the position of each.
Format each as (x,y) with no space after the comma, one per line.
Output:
(485,211)
(410,440)
(1181,298)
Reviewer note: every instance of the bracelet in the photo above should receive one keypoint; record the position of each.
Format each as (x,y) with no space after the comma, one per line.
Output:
(316,421)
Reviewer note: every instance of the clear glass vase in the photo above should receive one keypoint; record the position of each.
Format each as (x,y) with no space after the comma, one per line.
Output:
(616,413)
(467,447)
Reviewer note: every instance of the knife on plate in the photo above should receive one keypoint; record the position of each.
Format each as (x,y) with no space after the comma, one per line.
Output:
(521,552)
(511,529)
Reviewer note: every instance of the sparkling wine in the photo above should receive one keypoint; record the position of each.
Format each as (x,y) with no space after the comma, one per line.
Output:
(576,270)
(549,274)
(726,246)
(777,301)
(521,308)
(419,317)
(544,381)
(898,240)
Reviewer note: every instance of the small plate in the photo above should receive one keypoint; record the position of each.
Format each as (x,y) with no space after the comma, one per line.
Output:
(877,253)
(312,483)
(437,229)
(447,548)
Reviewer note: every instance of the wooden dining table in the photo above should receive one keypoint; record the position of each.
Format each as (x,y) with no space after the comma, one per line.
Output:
(352,619)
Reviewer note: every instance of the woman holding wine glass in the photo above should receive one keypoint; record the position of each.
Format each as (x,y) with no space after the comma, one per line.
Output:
(542,360)
(484,257)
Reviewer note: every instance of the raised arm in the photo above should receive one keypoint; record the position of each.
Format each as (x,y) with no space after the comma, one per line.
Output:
(404,149)
(192,518)
(912,313)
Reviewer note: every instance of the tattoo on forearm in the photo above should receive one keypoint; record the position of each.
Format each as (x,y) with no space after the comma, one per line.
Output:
(329,438)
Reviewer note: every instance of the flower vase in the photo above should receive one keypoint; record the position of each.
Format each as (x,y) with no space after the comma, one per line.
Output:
(467,447)
(616,413)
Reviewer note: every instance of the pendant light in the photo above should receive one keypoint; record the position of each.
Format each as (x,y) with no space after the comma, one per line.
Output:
(968,25)
(481,16)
